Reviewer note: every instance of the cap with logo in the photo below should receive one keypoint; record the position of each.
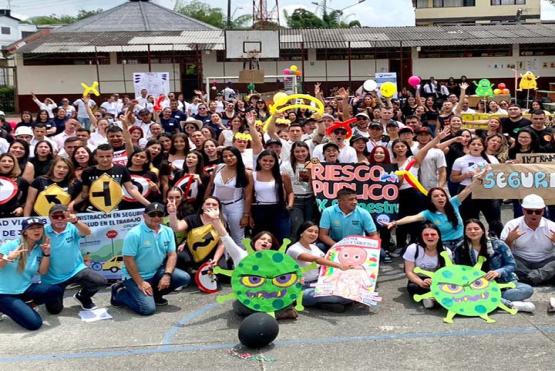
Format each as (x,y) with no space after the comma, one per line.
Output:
(155,207)
(29,222)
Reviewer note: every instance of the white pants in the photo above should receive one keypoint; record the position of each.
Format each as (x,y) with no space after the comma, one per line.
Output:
(233,214)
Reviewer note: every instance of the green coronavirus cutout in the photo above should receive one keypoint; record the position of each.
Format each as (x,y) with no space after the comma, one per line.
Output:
(464,290)
(484,88)
(266,280)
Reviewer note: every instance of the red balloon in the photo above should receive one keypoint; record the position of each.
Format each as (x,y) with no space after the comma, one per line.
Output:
(501,85)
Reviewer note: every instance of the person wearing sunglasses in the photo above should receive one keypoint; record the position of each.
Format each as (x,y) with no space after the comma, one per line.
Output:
(531,238)
(149,259)
(67,265)
(338,133)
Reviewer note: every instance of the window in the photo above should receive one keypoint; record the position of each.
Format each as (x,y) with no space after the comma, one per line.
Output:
(284,55)
(359,54)
(508,2)
(156,57)
(6,31)
(462,52)
(453,3)
(419,4)
(537,49)
(65,59)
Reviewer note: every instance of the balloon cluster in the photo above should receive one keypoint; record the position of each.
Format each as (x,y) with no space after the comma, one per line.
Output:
(387,89)
(501,89)
(292,70)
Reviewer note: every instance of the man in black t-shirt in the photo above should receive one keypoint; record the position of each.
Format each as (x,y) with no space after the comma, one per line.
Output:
(512,124)
(538,126)
(103,155)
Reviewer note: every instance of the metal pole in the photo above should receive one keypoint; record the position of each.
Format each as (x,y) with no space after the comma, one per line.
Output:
(350,72)
(302,67)
(148,58)
(97,69)
(401,79)
(173,66)
(228,14)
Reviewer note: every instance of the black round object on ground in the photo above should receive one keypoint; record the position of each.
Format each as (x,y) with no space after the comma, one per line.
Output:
(258,330)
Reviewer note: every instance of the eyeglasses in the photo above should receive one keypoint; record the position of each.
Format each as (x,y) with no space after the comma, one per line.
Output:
(156,214)
(58,216)
(340,132)
(536,211)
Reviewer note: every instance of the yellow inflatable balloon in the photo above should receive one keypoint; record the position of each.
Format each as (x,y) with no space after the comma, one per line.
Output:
(412,180)
(293,68)
(388,89)
(279,96)
(280,105)
(90,89)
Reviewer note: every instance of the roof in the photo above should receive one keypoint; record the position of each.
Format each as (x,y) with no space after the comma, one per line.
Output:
(136,16)
(366,37)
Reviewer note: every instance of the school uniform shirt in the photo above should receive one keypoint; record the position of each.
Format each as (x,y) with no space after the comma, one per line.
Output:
(66,259)
(533,245)
(340,225)
(148,248)
(448,232)
(12,281)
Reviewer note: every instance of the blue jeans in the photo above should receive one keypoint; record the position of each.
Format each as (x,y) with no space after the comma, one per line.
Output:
(132,297)
(85,122)
(310,300)
(302,211)
(14,305)
(521,292)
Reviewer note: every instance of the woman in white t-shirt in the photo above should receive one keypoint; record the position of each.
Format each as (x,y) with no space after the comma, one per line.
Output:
(305,252)
(423,254)
(464,169)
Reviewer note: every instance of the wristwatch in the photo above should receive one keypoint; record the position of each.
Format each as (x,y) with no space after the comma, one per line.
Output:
(167,274)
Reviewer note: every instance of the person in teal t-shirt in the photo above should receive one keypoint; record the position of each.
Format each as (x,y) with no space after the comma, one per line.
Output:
(145,276)
(67,265)
(444,213)
(20,260)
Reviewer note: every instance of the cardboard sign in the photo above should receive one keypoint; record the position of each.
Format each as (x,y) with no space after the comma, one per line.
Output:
(535,158)
(515,181)
(358,283)
(52,195)
(377,187)
(105,193)
(8,190)
(142,185)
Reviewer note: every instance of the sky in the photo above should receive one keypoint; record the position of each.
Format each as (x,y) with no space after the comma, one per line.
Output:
(369,12)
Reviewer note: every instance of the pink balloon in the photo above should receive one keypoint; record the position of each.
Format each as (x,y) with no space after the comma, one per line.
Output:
(286,71)
(414,81)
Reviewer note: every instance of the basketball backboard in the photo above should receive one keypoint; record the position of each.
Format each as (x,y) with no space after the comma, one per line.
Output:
(244,44)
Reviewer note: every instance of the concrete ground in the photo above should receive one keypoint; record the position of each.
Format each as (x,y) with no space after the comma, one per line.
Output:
(195,333)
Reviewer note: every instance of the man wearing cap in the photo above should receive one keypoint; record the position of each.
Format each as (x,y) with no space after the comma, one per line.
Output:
(406,134)
(145,276)
(66,262)
(531,238)
(361,126)
(433,168)
(338,134)
(376,136)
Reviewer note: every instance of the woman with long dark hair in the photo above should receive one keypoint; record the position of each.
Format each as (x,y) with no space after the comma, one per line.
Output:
(82,158)
(273,197)
(43,156)
(14,203)
(424,254)
(210,155)
(464,169)
(43,117)
(138,164)
(237,126)
(527,141)
(232,184)
(20,149)
(499,265)
(192,180)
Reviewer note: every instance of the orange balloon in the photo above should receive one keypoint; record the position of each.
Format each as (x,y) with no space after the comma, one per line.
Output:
(506,92)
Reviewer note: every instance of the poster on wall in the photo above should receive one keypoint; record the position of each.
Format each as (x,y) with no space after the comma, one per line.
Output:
(102,248)
(156,83)
(362,254)
(376,186)
(382,77)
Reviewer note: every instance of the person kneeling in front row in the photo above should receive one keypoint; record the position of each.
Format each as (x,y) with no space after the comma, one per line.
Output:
(145,279)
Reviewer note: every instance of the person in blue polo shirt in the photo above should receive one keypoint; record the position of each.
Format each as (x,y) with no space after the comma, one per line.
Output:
(145,276)
(345,219)
(20,260)
(67,265)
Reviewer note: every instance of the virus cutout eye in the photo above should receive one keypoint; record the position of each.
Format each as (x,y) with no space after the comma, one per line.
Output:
(450,288)
(285,280)
(480,283)
(252,281)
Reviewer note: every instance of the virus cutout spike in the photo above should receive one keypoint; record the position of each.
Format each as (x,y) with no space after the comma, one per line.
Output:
(464,290)
(266,280)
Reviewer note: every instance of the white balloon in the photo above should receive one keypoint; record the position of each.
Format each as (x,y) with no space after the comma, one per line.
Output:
(370,85)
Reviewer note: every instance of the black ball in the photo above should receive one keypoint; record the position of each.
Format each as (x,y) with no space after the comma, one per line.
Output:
(258,330)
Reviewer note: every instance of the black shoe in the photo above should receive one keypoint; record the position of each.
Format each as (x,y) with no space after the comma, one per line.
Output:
(86,303)
(160,302)
(387,258)
(115,288)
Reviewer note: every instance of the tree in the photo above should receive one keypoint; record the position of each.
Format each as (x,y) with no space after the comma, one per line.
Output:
(302,18)
(54,19)
(213,16)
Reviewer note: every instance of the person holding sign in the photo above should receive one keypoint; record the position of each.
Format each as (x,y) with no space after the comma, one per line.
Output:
(149,270)
(117,176)
(20,260)
(67,265)
(532,240)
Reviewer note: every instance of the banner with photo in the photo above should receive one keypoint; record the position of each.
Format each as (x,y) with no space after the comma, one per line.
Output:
(155,83)
(376,186)
(515,181)
(102,249)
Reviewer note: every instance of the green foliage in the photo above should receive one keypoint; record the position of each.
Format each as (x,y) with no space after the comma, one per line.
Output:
(213,16)
(7,98)
(302,18)
(54,19)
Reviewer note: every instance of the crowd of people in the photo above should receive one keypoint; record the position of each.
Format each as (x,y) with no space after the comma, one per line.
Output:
(221,168)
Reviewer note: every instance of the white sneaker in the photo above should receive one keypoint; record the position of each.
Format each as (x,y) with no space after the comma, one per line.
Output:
(428,303)
(551,307)
(524,306)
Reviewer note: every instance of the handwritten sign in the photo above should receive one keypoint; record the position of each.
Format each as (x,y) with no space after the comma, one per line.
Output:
(376,186)
(515,181)
(535,158)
